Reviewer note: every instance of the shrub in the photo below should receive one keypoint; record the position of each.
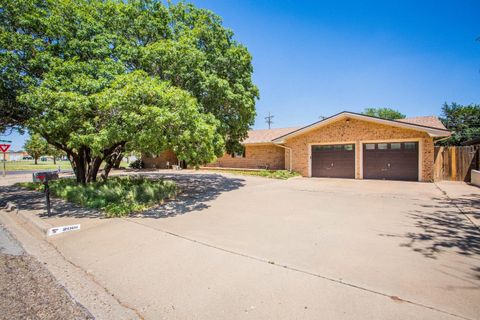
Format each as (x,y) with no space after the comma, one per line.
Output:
(118,196)
(137,164)
(275,174)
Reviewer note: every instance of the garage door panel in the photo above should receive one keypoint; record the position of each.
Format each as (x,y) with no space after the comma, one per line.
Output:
(333,161)
(391,161)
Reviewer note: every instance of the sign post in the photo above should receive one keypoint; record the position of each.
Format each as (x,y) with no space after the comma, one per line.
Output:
(4,148)
(44,177)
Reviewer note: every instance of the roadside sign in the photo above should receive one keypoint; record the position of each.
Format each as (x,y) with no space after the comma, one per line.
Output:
(4,147)
(58,230)
(8,141)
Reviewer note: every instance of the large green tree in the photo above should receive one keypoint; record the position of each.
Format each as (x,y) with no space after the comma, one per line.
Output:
(462,120)
(94,77)
(384,113)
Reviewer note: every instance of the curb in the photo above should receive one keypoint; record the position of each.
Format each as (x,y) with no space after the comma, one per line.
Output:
(28,221)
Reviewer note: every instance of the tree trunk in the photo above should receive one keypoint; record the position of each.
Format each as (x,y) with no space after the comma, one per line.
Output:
(36,159)
(113,159)
(85,166)
(54,160)
(80,169)
(117,160)
(106,170)
(93,168)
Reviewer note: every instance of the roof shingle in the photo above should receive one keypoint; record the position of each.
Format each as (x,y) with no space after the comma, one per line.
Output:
(427,121)
(266,135)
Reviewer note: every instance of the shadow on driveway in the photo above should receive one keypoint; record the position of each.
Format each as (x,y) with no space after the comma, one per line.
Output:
(196,191)
(444,229)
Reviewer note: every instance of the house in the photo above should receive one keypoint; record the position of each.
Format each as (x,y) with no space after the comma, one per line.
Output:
(259,151)
(346,145)
(15,155)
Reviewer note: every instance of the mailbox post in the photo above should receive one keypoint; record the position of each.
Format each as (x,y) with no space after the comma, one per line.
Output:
(45,177)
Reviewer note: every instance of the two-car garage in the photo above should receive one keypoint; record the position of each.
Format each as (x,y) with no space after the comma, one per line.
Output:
(379,160)
(357,146)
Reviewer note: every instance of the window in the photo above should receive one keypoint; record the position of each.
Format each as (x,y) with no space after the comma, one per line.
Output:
(370,146)
(335,147)
(382,146)
(322,148)
(395,146)
(410,145)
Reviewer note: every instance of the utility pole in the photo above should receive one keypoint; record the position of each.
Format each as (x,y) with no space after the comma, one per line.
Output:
(269,120)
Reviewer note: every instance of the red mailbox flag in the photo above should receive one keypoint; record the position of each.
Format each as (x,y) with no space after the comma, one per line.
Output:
(4,147)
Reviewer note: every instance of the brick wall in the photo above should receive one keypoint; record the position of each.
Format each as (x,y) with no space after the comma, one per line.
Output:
(256,157)
(160,161)
(356,131)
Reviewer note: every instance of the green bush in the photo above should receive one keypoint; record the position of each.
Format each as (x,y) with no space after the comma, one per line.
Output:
(118,196)
(137,164)
(274,174)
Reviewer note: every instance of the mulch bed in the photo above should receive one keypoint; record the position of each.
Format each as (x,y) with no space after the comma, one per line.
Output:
(29,291)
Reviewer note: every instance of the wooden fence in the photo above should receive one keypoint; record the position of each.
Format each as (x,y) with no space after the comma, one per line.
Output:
(456,163)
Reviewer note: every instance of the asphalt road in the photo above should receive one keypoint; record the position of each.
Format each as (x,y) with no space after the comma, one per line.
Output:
(18,172)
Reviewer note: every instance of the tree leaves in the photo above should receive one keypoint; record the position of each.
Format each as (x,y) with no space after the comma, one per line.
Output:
(462,120)
(93,75)
(384,113)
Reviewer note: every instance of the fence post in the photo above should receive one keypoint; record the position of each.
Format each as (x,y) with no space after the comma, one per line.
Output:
(454,163)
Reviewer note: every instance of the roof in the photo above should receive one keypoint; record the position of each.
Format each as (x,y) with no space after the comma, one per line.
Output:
(266,135)
(430,125)
(429,121)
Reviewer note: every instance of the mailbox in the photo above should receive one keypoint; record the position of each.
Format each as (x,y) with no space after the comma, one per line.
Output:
(45,176)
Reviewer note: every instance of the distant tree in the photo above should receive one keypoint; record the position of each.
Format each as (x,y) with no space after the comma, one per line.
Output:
(55,153)
(36,146)
(384,113)
(463,121)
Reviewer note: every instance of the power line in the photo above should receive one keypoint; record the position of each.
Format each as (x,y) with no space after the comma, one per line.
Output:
(269,120)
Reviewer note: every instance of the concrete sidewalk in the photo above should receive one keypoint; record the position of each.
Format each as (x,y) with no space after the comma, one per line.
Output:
(465,196)
(247,247)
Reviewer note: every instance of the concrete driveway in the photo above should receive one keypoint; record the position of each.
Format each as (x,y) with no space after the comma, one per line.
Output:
(238,247)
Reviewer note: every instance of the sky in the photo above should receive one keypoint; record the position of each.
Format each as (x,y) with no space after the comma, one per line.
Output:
(317,58)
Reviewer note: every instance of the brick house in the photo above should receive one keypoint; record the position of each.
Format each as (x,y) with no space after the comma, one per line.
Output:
(346,145)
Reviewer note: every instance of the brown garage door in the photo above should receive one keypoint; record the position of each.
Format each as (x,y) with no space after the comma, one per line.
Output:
(333,161)
(391,161)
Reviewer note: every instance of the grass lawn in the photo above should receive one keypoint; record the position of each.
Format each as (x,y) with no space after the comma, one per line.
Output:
(118,196)
(274,174)
(42,165)
(30,165)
